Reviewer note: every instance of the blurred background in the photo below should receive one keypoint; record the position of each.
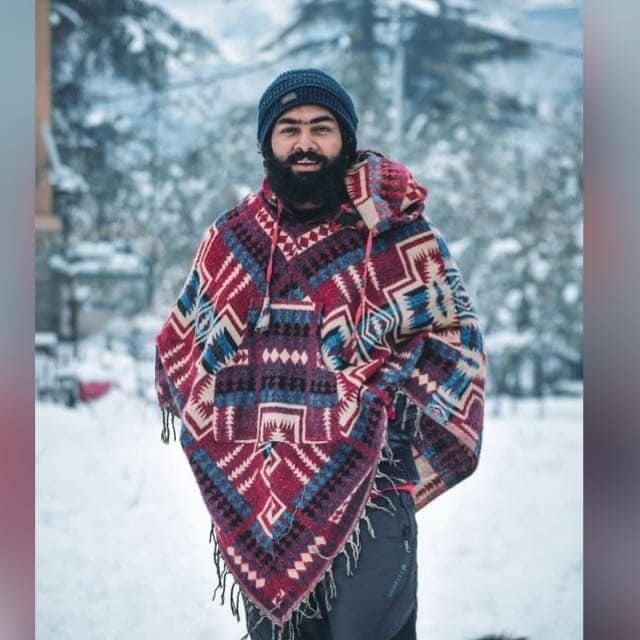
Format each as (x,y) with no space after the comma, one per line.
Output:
(146,132)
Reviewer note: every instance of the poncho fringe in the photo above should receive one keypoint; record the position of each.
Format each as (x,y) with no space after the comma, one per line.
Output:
(309,607)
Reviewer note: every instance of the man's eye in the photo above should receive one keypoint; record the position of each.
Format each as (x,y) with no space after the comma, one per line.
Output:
(322,129)
(288,130)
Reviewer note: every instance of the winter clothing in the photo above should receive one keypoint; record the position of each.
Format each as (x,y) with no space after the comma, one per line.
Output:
(304,86)
(288,351)
(399,472)
(378,599)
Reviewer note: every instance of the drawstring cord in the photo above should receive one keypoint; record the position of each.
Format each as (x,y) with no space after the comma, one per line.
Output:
(264,319)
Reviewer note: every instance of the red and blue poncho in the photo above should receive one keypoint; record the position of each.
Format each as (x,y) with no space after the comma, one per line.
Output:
(287,350)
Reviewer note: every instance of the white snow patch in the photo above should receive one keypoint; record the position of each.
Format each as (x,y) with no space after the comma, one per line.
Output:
(496,23)
(571,293)
(540,4)
(428,7)
(539,268)
(502,246)
(95,117)
(416,126)
(136,45)
(500,341)
(99,257)
(242,190)
(513,299)
(546,110)
(227,24)
(45,339)
(67,179)
(458,247)
(69,13)
(169,41)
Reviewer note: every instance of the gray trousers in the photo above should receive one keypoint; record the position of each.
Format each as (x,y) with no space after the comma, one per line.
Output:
(377,602)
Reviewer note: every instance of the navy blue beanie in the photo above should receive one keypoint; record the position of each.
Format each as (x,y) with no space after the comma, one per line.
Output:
(305,86)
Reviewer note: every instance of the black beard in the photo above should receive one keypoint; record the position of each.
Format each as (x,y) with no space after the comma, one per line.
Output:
(323,188)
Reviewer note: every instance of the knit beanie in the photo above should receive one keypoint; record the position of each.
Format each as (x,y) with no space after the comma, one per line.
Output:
(305,86)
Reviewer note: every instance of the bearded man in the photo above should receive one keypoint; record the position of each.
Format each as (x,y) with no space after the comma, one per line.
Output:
(328,370)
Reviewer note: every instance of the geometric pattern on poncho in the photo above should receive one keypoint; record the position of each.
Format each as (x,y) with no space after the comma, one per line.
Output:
(293,247)
(284,429)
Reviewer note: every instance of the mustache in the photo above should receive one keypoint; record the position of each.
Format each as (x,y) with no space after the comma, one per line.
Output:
(297,156)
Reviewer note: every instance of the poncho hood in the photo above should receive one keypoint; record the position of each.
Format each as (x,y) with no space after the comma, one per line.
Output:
(383,192)
(284,357)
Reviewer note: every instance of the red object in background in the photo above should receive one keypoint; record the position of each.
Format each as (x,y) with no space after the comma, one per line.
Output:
(92,390)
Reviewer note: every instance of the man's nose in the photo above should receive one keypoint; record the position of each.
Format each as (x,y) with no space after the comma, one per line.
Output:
(305,141)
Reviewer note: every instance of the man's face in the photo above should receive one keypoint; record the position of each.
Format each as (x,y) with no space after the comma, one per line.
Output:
(306,138)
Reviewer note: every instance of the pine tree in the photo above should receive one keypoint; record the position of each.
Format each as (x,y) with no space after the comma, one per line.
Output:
(442,49)
(112,63)
(532,268)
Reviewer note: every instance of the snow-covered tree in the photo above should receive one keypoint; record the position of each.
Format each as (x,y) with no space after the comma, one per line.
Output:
(112,64)
(156,134)
(441,45)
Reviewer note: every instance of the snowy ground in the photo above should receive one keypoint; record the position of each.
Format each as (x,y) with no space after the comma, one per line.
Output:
(122,534)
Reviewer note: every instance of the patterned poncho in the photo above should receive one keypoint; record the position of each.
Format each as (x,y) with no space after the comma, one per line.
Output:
(287,353)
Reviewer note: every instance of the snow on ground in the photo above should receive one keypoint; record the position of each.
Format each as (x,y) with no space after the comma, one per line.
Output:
(122,534)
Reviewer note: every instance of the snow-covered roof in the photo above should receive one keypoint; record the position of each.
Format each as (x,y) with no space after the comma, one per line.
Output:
(45,339)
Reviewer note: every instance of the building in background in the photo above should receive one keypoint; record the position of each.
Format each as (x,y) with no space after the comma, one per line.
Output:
(48,224)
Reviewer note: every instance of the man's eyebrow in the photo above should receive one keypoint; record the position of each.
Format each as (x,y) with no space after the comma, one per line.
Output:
(325,118)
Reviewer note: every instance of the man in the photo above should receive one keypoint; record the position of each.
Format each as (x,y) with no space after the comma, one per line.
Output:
(328,369)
